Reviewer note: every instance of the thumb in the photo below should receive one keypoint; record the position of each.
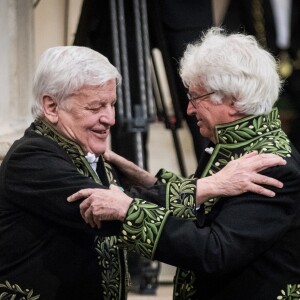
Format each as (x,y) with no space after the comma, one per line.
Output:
(106,154)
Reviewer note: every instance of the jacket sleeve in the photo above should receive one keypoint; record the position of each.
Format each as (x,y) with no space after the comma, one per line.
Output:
(238,230)
(178,196)
(164,176)
(39,176)
(145,220)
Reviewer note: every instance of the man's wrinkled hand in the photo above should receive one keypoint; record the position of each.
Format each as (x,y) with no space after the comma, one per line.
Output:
(102,204)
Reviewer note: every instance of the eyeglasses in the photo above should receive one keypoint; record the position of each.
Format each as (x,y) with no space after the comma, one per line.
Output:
(193,99)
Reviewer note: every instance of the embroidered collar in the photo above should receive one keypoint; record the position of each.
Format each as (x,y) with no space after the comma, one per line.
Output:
(248,128)
(73,149)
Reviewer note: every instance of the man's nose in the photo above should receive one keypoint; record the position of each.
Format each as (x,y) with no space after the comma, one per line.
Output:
(190,110)
(108,116)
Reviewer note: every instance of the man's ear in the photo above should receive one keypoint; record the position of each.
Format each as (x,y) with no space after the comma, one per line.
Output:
(232,109)
(233,112)
(50,109)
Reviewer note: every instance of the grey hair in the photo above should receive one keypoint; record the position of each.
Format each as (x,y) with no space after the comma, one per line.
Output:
(235,66)
(64,70)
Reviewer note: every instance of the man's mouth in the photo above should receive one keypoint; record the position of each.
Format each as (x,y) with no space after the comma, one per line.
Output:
(101,132)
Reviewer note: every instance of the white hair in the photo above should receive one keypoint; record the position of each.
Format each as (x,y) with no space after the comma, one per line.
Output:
(232,65)
(64,70)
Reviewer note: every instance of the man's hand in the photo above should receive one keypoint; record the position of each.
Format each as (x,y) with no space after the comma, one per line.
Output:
(102,204)
(132,172)
(240,176)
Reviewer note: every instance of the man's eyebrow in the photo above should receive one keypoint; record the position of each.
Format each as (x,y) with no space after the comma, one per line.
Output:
(96,102)
(100,102)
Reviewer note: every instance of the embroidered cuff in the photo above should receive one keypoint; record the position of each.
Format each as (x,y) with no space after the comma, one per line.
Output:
(181,198)
(142,227)
(163,176)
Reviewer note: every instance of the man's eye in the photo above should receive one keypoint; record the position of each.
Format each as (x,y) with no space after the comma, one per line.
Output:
(95,109)
(100,107)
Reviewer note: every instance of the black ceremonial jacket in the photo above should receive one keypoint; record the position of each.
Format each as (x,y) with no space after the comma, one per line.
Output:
(243,247)
(46,250)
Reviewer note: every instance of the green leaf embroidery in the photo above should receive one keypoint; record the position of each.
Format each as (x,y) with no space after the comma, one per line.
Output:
(292,292)
(11,291)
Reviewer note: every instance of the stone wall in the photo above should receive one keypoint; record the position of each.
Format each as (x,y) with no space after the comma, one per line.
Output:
(26,31)
(17,61)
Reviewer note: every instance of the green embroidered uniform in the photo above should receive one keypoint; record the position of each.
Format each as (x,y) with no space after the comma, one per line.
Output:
(244,247)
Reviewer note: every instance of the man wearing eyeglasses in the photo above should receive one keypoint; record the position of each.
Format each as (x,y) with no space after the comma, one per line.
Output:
(228,247)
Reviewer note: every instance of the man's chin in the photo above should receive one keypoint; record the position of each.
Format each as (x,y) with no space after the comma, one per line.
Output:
(203,133)
(98,150)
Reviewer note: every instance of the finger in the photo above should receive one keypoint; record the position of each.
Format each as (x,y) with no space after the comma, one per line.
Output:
(84,193)
(265,180)
(256,185)
(86,203)
(88,217)
(107,154)
(258,189)
(251,154)
(271,156)
(272,162)
(97,222)
(264,161)
(84,206)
